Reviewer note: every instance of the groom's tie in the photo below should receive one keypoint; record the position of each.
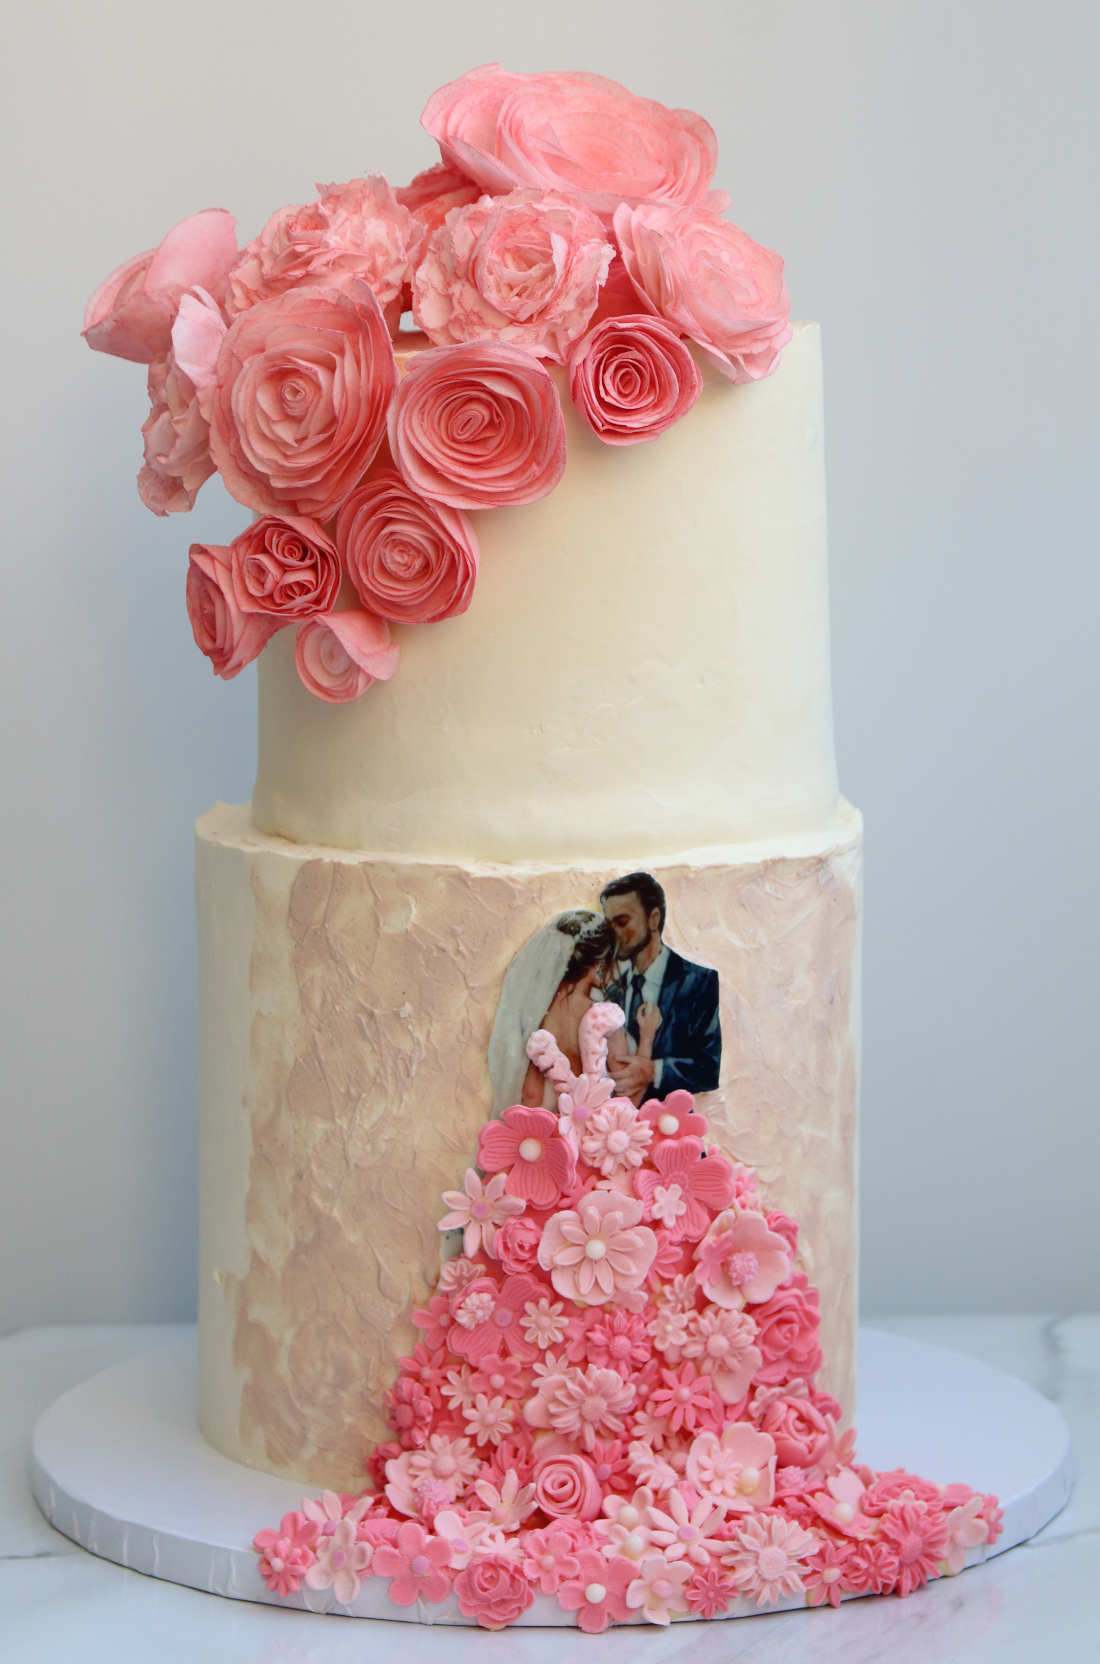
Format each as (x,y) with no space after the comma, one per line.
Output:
(637,984)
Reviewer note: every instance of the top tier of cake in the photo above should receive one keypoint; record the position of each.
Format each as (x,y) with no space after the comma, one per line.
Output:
(644,667)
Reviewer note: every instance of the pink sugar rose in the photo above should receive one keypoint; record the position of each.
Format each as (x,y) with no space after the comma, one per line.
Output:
(478,426)
(411,561)
(299,409)
(711,282)
(525,268)
(229,637)
(631,377)
(787,1333)
(526,1145)
(493,1589)
(433,193)
(599,1249)
(801,1433)
(566,1486)
(703,1186)
(578,133)
(517,1244)
(339,656)
(285,566)
(132,312)
(359,229)
(739,1259)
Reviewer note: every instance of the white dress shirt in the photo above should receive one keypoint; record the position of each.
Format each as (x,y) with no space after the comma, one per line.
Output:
(654,976)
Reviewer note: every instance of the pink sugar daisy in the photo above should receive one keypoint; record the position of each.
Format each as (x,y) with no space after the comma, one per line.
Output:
(687,1399)
(489,1420)
(768,1558)
(684,1531)
(721,1344)
(709,1591)
(478,1210)
(614,1139)
(416,1565)
(582,1404)
(527,1146)
(826,1572)
(544,1323)
(287,1554)
(918,1536)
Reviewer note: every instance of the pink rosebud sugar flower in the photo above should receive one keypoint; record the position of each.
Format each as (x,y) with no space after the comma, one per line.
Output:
(339,656)
(526,1145)
(285,566)
(478,1210)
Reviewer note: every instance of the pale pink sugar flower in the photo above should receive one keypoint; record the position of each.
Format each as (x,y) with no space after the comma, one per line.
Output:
(330,1508)
(740,1260)
(721,1343)
(768,1558)
(735,1468)
(544,1323)
(614,1138)
(339,655)
(597,1250)
(685,1530)
(658,1590)
(583,1404)
(525,267)
(508,1505)
(340,1563)
(625,1528)
(668,1330)
(479,1209)
(489,1420)
(456,1273)
(966,1529)
(650,1468)
(416,1564)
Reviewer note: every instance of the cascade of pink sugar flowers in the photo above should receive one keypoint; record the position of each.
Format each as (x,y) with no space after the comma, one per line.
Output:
(614,1403)
(274,364)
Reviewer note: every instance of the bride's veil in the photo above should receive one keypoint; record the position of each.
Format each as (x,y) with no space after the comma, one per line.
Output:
(530,983)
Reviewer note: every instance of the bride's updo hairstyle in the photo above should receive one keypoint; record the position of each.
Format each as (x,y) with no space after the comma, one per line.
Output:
(594,943)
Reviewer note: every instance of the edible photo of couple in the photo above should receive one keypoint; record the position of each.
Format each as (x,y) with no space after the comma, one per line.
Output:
(671,1039)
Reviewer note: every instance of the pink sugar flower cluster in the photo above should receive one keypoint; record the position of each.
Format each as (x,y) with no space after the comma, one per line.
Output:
(613,1406)
(568,244)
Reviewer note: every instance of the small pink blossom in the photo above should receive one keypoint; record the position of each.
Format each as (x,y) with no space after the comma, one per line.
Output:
(416,1565)
(767,1558)
(506,1375)
(287,1554)
(410,1410)
(735,1468)
(658,1589)
(549,1559)
(966,1529)
(457,1273)
(595,1589)
(684,1531)
(615,1340)
(709,281)
(674,1116)
(704,1183)
(132,312)
(544,1323)
(340,1562)
(339,655)
(507,1505)
(722,1343)
(453,1462)
(668,1329)
(614,1139)
(825,1575)
(489,1420)
(478,1210)
(526,1145)
(740,1260)
(525,267)
(650,1468)
(686,1399)
(872,1568)
(840,1504)
(498,1323)
(583,1404)
(918,1536)
(599,1249)
(710,1591)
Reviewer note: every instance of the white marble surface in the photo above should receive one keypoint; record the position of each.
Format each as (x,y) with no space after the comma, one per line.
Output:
(57,1602)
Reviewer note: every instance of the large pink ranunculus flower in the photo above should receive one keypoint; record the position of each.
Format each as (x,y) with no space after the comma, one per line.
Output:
(177,429)
(358,229)
(229,637)
(433,193)
(572,132)
(478,426)
(526,1144)
(711,282)
(286,566)
(132,312)
(631,377)
(410,560)
(303,384)
(598,1249)
(525,268)
(338,657)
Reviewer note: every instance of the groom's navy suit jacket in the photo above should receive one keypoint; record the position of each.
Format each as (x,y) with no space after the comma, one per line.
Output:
(689,1040)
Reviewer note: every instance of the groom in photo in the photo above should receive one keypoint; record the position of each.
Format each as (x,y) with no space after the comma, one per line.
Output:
(687,1046)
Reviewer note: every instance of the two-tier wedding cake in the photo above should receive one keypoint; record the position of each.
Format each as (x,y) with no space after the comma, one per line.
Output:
(529,980)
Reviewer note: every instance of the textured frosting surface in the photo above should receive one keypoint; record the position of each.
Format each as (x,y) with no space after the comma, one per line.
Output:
(647,651)
(346,1006)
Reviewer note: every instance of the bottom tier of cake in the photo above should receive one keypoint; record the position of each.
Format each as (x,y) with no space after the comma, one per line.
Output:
(360,1020)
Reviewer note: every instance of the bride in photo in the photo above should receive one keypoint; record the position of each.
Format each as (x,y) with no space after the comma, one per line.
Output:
(550,984)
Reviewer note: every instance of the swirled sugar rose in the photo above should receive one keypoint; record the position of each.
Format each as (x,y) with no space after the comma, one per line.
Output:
(299,406)
(339,656)
(525,268)
(410,560)
(478,426)
(711,282)
(572,132)
(229,637)
(286,567)
(631,377)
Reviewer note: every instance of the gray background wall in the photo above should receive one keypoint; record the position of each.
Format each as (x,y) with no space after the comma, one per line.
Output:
(925,169)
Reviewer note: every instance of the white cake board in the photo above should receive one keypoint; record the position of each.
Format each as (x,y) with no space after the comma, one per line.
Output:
(118,1465)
